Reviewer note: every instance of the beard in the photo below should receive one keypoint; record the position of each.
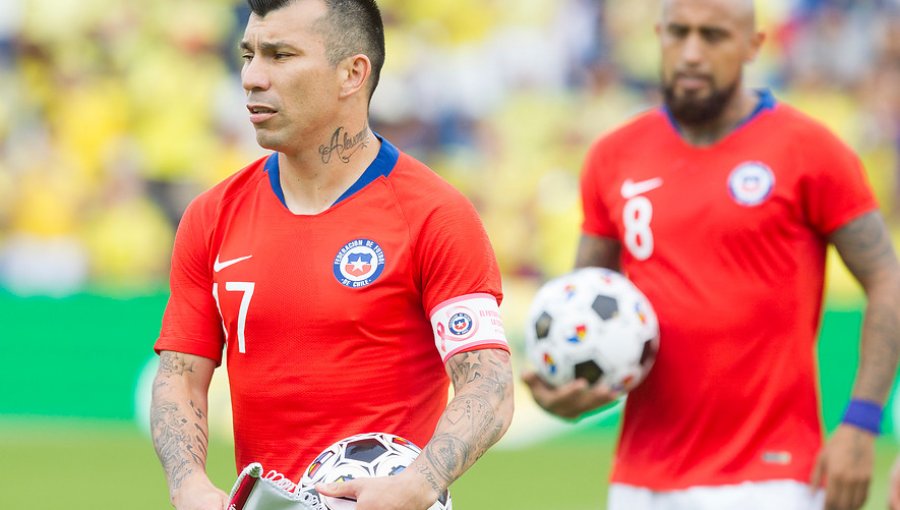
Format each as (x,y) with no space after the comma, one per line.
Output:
(690,110)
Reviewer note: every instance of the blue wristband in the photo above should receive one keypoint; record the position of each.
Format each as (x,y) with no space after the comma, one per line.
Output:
(864,414)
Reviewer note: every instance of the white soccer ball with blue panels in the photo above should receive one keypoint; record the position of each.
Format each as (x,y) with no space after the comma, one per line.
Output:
(592,323)
(363,456)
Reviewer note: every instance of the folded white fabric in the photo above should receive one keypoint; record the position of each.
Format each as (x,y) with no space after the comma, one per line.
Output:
(252,491)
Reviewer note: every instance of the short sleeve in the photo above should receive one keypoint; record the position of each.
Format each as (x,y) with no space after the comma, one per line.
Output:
(455,255)
(458,269)
(191,323)
(836,190)
(597,221)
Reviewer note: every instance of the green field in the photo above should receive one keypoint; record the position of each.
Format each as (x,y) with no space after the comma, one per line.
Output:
(101,347)
(93,467)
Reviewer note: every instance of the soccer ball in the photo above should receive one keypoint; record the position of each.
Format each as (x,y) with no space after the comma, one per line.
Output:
(363,456)
(593,324)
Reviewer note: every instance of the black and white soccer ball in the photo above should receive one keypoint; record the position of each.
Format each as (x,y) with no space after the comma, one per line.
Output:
(592,323)
(363,456)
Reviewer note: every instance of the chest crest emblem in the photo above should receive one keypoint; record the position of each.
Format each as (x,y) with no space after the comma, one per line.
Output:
(751,183)
(358,263)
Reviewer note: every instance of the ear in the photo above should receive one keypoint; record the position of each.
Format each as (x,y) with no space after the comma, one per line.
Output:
(353,73)
(756,42)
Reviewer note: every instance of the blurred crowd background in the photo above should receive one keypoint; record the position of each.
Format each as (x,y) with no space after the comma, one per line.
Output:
(114,114)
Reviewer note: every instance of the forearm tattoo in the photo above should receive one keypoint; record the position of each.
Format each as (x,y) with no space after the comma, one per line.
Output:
(880,347)
(344,145)
(867,250)
(179,433)
(474,420)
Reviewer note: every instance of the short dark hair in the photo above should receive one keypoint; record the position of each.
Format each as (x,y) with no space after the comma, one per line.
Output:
(351,27)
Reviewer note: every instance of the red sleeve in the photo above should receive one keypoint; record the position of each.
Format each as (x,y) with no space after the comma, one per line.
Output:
(455,256)
(191,323)
(836,190)
(457,264)
(596,215)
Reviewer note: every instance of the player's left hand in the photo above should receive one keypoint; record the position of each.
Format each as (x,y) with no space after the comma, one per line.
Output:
(845,467)
(401,492)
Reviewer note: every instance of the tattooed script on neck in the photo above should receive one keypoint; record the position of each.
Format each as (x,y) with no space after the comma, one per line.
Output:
(344,145)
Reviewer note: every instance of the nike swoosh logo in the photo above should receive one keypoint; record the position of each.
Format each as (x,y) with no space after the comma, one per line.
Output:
(631,189)
(218,266)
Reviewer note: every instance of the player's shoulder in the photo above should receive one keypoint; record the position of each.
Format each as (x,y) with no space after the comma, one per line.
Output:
(802,131)
(418,186)
(209,203)
(645,128)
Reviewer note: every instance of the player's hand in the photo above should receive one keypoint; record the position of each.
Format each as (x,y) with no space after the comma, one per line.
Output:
(894,487)
(199,494)
(845,467)
(570,400)
(404,491)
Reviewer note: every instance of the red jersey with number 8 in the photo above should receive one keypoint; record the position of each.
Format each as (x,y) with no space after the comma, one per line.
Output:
(728,242)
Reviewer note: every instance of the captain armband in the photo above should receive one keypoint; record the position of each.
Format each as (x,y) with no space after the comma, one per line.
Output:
(466,323)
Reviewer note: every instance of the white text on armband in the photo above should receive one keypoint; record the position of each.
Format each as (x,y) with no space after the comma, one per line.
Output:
(466,322)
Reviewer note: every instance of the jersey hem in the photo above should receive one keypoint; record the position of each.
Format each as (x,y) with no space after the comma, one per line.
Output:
(188,347)
(679,486)
(853,214)
(606,235)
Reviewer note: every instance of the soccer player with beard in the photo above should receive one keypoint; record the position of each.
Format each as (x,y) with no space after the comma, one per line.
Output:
(720,206)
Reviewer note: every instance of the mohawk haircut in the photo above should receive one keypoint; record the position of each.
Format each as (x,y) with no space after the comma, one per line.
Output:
(351,27)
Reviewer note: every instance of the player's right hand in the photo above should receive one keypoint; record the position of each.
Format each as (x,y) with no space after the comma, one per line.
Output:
(570,400)
(199,494)
(405,491)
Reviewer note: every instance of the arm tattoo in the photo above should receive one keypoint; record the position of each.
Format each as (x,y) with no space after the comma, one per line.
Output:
(173,363)
(598,252)
(865,246)
(474,420)
(880,347)
(344,145)
(867,250)
(432,480)
(179,435)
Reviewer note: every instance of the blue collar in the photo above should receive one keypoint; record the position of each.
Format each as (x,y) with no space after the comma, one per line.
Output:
(766,102)
(383,164)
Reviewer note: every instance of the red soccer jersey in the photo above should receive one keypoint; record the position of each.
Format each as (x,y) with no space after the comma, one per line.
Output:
(728,243)
(327,317)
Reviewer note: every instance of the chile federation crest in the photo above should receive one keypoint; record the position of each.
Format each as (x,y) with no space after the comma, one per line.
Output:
(751,183)
(358,263)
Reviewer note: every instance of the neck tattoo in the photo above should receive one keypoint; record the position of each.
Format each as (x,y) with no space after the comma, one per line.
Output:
(344,145)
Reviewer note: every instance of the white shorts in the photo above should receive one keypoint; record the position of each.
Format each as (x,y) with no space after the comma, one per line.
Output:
(771,495)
